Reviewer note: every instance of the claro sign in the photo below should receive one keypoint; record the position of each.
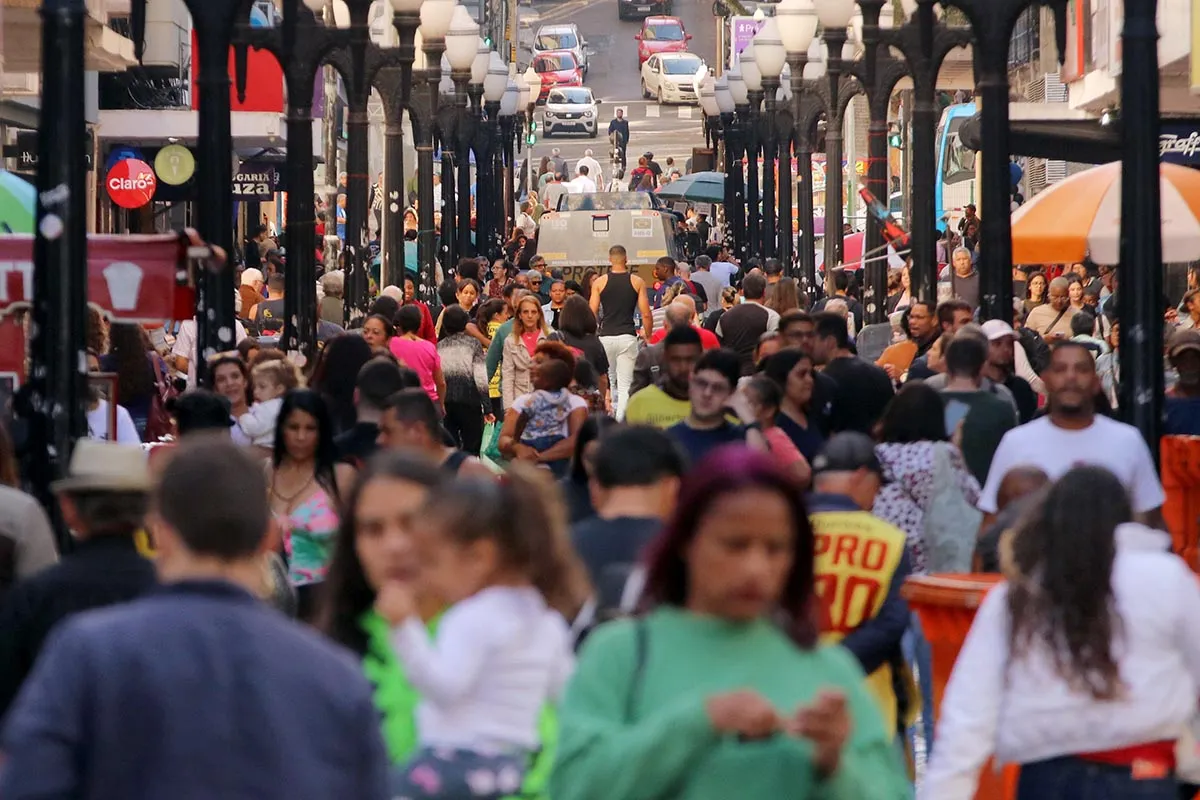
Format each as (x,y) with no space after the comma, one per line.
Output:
(131,183)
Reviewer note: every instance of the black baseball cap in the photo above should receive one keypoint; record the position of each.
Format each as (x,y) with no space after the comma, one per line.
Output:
(847,452)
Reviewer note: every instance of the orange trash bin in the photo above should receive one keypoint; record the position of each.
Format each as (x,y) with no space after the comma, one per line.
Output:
(946,606)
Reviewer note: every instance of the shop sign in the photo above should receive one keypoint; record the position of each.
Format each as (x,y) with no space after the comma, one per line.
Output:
(254,182)
(1179,142)
(133,278)
(25,151)
(131,183)
(175,165)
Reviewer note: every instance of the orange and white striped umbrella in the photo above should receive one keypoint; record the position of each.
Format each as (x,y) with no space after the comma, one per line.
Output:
(1081,216)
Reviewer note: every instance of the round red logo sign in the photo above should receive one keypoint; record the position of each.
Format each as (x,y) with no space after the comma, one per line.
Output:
(131,183)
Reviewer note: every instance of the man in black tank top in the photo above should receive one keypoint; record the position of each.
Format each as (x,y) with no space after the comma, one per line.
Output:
(615,297)
(267,316)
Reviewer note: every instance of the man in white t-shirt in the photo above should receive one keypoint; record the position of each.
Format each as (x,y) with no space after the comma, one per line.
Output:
(1072,434)
(593,166)
(581,183)
(99,414)
(183,354)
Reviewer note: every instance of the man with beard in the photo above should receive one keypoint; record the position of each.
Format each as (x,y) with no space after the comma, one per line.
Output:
(665,402)
(919,325)
(1073,434)
(1001,367)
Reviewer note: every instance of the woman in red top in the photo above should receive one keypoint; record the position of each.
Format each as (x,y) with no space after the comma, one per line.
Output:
(427,330)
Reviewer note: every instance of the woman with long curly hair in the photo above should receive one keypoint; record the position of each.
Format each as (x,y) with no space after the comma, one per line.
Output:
(1083,667)
(132,358)
(721,690)
(306,485)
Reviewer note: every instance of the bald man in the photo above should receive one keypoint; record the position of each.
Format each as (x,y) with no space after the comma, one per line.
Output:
(1053,319)
(593,167)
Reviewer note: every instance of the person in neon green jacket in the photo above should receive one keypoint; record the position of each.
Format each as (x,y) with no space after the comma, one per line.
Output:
(723,691)
(374,545)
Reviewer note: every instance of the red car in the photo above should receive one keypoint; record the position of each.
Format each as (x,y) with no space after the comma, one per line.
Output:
(661,35)
(557,68)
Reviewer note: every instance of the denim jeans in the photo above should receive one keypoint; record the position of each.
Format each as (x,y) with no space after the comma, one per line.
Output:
(622,352)
(920,657)
(1075,779)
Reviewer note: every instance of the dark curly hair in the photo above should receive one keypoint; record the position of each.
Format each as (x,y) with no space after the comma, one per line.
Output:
(1062,595)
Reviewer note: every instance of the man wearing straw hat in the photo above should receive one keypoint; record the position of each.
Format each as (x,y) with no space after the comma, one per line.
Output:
(103,501)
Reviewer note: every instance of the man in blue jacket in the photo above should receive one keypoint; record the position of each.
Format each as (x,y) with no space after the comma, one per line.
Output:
(197,690)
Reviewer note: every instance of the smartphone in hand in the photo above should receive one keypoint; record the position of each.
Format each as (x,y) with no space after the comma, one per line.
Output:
(956,412)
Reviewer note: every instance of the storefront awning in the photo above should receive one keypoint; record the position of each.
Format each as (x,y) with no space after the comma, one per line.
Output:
(250,128)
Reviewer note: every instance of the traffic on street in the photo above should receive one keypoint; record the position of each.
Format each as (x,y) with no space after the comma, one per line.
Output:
(600,400)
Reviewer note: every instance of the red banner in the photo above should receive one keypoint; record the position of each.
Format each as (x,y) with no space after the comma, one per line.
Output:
(134,278)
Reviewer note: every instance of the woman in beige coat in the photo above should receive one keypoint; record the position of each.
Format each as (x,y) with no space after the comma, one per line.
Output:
(529,328)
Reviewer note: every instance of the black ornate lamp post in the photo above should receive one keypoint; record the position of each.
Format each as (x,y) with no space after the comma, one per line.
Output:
(468,59)
(797,21)
(300,47)
(1141,232)
(55,399)
(924,42)
(733,205)
(878,73)
(992,23)
(214,22)
(436,16)
(755,185)
(490,202)
(770,57)
(834,16)
(744,177)
(509,108)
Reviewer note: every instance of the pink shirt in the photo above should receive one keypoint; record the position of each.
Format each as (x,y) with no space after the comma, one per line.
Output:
(782,447)
(421,357)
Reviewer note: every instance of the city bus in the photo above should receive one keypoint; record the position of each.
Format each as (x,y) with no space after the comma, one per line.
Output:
(954,184)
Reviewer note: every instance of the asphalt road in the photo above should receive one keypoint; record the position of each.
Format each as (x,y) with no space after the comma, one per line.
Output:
(615,80)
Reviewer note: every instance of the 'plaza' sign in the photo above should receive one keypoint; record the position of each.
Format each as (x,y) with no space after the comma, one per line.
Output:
(254,183)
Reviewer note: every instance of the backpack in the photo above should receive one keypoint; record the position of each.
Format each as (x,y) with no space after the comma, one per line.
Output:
(158,421)
(950,520)
(1036,349)
(608,602)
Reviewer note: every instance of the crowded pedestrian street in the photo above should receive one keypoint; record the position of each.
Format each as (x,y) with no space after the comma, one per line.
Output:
(600,400)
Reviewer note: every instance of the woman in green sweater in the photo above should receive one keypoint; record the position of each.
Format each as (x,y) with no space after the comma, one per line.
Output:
(721,691)
(374,546)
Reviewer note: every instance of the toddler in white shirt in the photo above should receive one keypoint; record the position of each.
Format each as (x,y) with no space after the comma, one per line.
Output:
(501,652)
(271,381)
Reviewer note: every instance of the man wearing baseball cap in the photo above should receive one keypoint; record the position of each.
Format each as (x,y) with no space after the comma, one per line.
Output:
(1005,355)
(1182,408)
(856,549)
(103,500)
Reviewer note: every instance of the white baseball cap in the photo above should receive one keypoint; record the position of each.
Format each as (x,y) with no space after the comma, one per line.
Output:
(995,329)
(250,275)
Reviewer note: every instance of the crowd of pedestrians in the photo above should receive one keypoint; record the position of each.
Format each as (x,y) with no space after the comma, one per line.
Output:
(641,536)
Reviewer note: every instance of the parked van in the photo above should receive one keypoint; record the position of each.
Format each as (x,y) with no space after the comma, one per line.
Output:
(578,238)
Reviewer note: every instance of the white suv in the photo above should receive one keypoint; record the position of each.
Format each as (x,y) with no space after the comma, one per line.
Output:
(562,37)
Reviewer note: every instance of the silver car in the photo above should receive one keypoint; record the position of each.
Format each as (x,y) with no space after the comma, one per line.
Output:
(571,108)
(564,36)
